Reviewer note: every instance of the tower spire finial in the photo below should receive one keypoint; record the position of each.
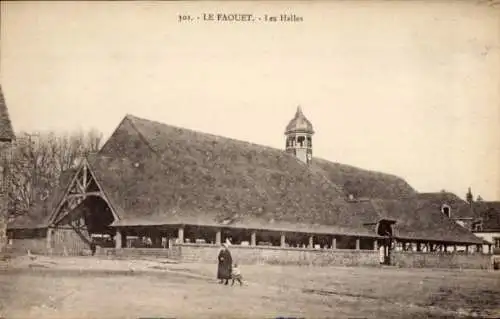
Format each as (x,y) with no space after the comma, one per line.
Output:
(299,109)
(299,133)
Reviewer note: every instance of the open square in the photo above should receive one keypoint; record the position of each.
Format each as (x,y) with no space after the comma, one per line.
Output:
(84,287)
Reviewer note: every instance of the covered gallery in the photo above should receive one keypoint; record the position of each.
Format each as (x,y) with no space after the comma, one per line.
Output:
(158,186)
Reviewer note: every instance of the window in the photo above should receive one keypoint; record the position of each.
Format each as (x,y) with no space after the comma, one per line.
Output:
(446,209)
(477,226)
(301,140)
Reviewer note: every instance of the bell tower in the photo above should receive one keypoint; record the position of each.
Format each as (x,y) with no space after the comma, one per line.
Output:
(299,132)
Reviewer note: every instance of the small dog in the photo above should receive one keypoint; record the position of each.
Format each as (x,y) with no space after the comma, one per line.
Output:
(236,275)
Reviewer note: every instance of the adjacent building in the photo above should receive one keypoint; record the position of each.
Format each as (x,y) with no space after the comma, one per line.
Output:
(7,137)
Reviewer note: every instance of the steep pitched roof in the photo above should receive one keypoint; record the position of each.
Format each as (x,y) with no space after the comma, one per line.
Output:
(153,173)
(158,173)
(38,215)
(459,207)
(6,131)
(489,213)
(418,218)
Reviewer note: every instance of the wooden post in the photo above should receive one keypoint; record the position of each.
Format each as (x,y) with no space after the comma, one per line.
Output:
(180,234)
(419,247)
(49,239)
(334,242)
(124,239)
(311,241)
(479,248)
(454,249)
(118,239)
(218,236)
(467,251)
(84,178)
(253,238)
(358,244)
(489,249)
(375,245)
(282,240)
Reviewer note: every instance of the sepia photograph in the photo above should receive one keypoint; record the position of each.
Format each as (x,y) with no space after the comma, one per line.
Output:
(249,159)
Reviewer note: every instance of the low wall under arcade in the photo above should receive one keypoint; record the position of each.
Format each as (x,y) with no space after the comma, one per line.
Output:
(280,256)
(441,260)
(170,253)
(65,243)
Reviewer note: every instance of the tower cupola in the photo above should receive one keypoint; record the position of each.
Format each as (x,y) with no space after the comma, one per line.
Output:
(299,132)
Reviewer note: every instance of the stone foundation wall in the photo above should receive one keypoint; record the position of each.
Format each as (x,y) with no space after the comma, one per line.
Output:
(280,256)
(441,260)
(66,244)
(170,253)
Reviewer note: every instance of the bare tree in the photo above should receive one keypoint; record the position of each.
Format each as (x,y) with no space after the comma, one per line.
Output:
(39,160)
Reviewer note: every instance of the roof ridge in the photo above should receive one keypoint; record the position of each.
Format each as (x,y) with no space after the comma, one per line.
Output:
(359,168)
(134,118)
(204,133)
(310,168)
(139,122)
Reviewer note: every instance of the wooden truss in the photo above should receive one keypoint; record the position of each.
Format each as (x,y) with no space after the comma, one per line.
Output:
(82,185)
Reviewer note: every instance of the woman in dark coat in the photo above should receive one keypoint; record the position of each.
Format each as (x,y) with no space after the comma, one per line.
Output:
(225,265)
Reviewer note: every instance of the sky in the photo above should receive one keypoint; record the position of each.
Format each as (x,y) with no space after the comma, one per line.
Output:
(407,88)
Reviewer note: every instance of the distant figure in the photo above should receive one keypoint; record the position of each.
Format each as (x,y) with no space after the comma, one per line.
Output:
(93,247)
(225,264)
(236,275)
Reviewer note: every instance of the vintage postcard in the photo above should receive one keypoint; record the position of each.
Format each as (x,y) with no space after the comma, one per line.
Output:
(250,159)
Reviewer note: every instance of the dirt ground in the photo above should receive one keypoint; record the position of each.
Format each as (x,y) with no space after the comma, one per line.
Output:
(88,287)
